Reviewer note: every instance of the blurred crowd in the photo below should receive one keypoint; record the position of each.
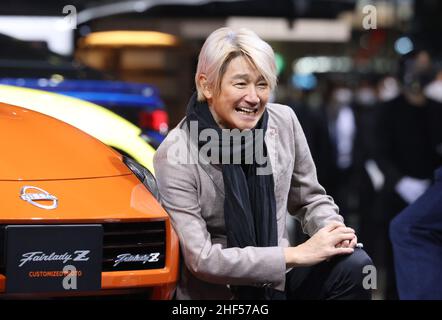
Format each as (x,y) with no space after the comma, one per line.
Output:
(376,142)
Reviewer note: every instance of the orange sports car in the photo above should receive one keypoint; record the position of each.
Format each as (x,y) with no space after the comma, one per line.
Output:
(76,217)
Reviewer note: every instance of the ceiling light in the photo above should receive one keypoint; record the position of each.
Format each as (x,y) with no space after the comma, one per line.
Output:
(128,38)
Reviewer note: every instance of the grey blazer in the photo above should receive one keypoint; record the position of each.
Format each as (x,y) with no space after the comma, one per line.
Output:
(193,194)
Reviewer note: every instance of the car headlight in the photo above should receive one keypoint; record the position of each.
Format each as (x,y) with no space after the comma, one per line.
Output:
(144,175)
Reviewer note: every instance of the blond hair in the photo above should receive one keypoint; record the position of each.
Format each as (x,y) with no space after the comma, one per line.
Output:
(225,44)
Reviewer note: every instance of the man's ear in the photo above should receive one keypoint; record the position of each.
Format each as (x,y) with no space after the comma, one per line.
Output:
(206,88)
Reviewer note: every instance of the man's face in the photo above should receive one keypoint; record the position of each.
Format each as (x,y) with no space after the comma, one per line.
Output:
(243,96)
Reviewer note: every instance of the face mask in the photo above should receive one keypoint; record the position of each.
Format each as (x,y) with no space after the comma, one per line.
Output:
(389,89)
(365,97)
(434,90)
(342,96)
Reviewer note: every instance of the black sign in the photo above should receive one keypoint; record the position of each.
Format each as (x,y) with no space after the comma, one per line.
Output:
(53,258)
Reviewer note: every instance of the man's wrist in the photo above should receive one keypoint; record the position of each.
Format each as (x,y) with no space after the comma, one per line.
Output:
(291,255)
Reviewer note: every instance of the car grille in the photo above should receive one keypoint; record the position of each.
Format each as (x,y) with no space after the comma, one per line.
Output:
(135,239)
(131,240)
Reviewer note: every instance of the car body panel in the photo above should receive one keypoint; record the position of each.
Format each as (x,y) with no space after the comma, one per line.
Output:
(90,86)
(112,196)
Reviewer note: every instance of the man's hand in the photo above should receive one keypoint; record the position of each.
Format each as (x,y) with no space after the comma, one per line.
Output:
(348,243)
(333,239)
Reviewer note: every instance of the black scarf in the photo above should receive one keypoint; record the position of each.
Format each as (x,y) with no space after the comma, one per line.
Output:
(249,205)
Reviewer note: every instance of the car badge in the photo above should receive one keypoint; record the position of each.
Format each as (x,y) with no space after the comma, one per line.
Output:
(32,197)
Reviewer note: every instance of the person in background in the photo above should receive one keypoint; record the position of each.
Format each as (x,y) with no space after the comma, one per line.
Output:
(339,159)
(367,176)
(331,141)
(230,215)
(387,88)
(408,144)
(416,235)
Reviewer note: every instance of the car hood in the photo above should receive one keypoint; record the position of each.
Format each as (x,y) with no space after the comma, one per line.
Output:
(96,200)
(38,147)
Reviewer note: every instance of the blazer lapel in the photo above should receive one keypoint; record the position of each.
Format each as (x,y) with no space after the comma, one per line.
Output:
(271,139)
(216,175)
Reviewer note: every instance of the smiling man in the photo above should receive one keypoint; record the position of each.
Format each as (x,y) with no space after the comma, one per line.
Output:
(245,93)
(230,216)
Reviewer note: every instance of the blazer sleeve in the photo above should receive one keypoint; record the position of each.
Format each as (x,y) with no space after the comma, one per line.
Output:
(307,199)
(210,262)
